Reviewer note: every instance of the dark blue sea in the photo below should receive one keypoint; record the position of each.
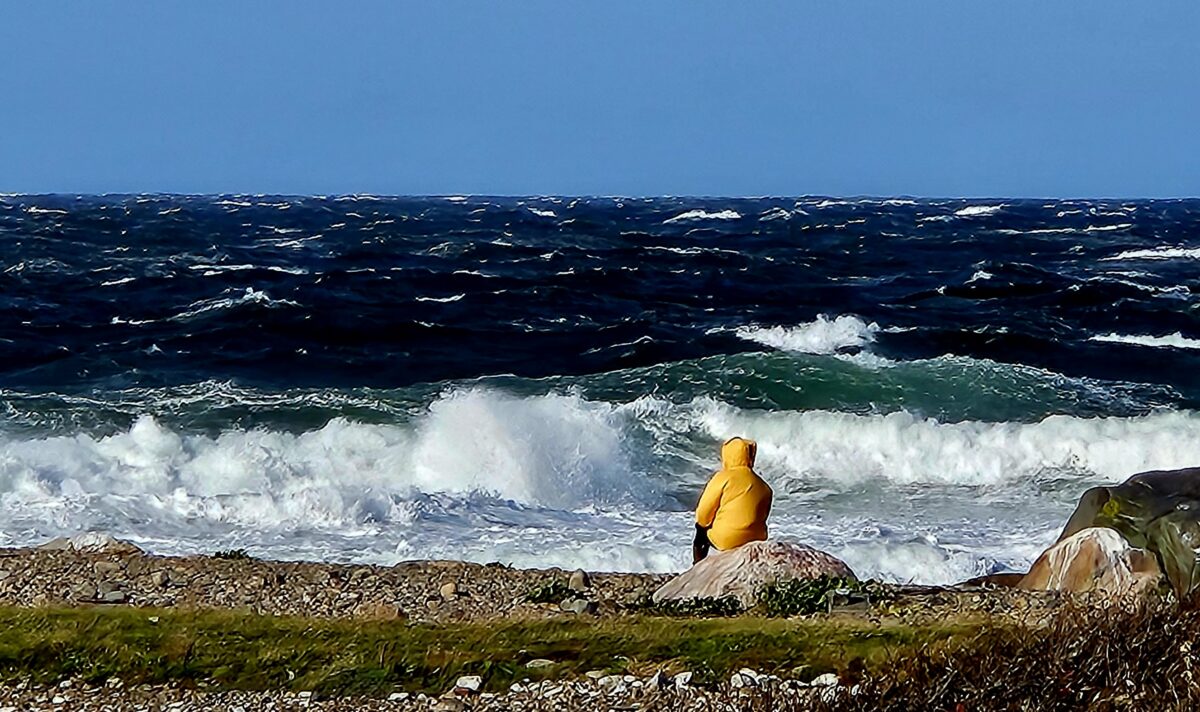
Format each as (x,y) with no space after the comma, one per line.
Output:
(545,381)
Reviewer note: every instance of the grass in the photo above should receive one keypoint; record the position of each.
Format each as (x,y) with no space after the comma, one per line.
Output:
(242,650)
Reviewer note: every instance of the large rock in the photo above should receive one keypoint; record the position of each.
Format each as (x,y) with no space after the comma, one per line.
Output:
(1096,559)
(91,543)
(741,572)
(1158,511)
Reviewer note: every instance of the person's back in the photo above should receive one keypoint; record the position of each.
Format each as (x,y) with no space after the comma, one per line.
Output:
(736,502)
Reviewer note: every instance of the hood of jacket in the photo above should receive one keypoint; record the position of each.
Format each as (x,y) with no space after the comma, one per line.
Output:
(738,452)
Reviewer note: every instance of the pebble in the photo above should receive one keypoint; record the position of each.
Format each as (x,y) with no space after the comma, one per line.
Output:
(578,606)
(579,581)
(449,591)
(470,683)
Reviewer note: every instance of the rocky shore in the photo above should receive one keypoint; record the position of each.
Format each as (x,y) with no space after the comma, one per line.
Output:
(615,692)
(108,575)
(112,573)
(427,591)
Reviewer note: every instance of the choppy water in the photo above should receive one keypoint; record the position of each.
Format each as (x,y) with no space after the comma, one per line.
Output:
(546,380)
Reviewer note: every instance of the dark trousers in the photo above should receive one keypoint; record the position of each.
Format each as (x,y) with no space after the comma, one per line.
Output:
(701,544)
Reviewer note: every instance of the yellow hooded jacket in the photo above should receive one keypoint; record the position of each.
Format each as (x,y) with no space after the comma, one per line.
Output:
(736,501)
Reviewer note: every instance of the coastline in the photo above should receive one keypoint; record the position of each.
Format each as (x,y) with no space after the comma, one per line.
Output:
(433,622)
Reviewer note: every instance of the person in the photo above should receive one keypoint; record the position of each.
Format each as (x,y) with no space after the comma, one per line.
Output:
(735,504)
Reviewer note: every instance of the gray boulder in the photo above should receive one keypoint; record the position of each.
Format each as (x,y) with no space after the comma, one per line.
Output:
(1157,511)
(743,571)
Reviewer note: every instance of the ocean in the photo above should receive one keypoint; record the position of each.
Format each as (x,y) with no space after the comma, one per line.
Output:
(546,381)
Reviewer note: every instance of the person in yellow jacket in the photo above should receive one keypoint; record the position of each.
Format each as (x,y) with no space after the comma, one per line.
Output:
(734,507)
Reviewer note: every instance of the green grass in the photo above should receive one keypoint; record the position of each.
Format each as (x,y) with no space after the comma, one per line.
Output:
(242,650)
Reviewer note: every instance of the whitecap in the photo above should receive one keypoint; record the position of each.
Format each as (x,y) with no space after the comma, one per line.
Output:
(978,210)
(704,215)
(1157,253)
(1169,341)
(822,336)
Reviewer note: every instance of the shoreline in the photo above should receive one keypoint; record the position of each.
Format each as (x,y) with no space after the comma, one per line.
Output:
(125,630)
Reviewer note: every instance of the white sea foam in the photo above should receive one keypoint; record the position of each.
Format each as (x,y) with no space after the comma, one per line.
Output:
(443,300)
(542,213)
(977,210)
(906,449)
(775,214)
(249,296)
(980,276)
(561,480)
(704,215)
(215,269)
(823,336)
(1157,253)
(1170,341)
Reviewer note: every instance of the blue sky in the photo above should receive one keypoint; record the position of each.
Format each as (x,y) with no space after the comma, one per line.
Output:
(932,98)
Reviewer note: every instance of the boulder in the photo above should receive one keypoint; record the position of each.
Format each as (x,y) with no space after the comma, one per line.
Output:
(743,571)
(91,543)
(1096,559)
(1158,511)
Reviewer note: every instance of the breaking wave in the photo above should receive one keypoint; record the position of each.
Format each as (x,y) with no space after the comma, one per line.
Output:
(1170,341)
(823,336)
(482,474)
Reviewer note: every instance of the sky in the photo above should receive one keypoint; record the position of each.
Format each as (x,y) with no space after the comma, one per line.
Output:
(930,98)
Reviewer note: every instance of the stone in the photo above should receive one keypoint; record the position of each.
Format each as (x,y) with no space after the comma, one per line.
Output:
(657,681)
(83,592)
(579,581)
(682,680)
(470,683)
(378,610)
(449,591)
(1095,559)
(743,571)
(91,543)
(827,680)
(611,684)
(578,606)
(113,597)
(744,678)
(1006,579)
(1158,511)
(107,569)
(539,663)
(160,579)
